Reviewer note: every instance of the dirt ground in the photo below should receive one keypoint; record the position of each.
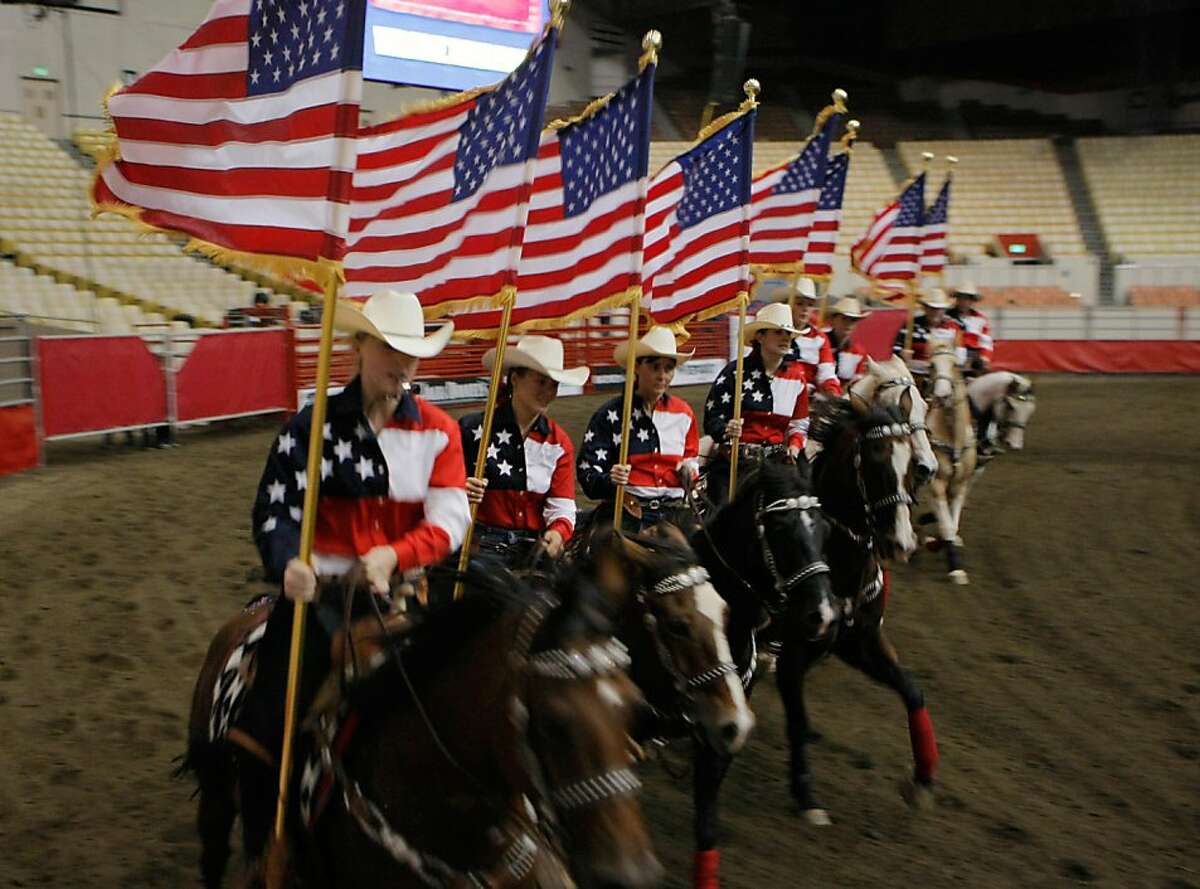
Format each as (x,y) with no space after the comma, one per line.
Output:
(1064,681)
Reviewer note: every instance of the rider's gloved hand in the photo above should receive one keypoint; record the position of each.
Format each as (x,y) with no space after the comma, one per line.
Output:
(552,542)
(378,564)
(299,581)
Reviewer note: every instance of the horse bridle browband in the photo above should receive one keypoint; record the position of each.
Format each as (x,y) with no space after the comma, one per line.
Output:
(784,585)
(520,853)
(676,583)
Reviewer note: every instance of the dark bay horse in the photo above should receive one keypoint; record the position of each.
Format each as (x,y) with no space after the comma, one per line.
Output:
(481,745)
(854,512)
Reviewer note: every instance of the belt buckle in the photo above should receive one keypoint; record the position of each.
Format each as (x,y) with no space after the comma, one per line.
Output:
(654,504)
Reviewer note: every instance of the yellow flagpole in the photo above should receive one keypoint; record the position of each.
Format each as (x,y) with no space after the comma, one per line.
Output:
(308,525)
(743,302)
(927,158)
(509,299)
(635,302)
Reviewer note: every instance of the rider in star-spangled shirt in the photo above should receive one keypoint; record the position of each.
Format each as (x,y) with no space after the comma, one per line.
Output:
(812,347)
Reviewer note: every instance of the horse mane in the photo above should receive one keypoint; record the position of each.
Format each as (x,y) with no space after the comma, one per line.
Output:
(781,479)
(831,417)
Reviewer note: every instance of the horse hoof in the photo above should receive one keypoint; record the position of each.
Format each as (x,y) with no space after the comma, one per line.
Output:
(959,577)
(817,818)
(933,544)
(958,541)
(918,796)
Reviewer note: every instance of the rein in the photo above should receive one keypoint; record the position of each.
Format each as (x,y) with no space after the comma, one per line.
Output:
(684,580)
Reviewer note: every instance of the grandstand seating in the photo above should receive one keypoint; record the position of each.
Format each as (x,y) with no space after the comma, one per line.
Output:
(1027,297)
(45,217)
(1146,190)
(1002,185)
(1164,296)
(47,301)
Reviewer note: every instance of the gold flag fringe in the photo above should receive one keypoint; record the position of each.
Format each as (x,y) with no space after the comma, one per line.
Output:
(610,302)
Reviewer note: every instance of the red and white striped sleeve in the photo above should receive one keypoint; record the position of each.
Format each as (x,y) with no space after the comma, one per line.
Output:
(797,428)
(691,446)
(447,515)
(558,513)
(827,377)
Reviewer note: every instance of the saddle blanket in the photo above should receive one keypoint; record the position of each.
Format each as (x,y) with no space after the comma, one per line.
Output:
(229,692)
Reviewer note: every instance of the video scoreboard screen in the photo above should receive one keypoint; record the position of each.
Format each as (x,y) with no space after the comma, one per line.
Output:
(449,44)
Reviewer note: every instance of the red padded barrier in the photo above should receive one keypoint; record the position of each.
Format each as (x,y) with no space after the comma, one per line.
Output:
(1098,356)
(94,383)
(18,431)
(235,373)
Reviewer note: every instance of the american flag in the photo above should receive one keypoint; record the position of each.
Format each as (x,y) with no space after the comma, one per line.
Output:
(243,136)
(441,194)
(698,227)
(933,235)
(822,238)
(890,252)
(784,200)
(583,239)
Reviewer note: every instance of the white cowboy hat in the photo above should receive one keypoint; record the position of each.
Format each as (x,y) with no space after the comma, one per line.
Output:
(541,353)
(968,289)
(658,342)
(805,289)
(395,318)
(935,299)
(776,316)
(848,307)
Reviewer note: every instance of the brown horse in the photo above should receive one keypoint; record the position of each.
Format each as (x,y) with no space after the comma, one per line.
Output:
(483,744)
(953,437)
(673,620)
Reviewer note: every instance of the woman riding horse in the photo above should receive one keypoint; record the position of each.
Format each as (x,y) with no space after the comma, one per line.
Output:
(664,443)
(393,500)
(774,401)
(527,495)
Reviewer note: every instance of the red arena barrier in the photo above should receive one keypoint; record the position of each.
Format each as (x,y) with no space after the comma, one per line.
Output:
(18,431)
(1098,356)
(234,374)
(96,383)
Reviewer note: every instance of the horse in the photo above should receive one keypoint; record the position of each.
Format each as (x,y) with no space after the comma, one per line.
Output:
(953,439)
(855,512)
(463,752)
(1006,398)
(890,384)
(673,622)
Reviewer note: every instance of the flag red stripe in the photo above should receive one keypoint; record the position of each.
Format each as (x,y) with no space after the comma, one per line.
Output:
(230,29)
(492,201)
(595,226)
(231,85)
(367,194)
(242,182)
(307,123)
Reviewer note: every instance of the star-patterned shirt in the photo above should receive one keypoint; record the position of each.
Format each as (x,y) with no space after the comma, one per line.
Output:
(946,331)
(774,407)
(812,349)
(661,440)
(531,480)
(849,357)
(977,332)
(404,487)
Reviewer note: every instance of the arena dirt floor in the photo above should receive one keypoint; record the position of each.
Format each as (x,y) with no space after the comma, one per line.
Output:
(1064,681)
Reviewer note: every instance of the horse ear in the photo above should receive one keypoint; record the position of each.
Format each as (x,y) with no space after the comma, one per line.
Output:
(872,365)
(668,532)
(635,552)
(906,402)
(859,404)
(1014,386)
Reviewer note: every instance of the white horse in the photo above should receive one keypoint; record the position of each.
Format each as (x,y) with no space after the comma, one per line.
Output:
(1007,399)
(890,384)
(953,437)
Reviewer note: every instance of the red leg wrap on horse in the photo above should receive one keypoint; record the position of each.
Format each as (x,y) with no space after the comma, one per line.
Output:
(924,744)
(704,872)
(887,587)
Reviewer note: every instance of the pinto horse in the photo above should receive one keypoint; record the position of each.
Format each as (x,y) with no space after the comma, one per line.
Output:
(889,384)
(1007,399)
(953,438)
(476,743)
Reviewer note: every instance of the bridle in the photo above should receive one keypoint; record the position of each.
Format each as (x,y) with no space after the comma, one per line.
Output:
(521,830)
(1005,422)
(675,583)
(870,539)
(785,585)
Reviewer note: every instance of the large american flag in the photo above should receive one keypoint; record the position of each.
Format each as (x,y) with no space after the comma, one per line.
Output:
(783,201)
(440,195)
(933,235)
(583,239)
(243,137)
(822,238)
(698,228)
(890,252)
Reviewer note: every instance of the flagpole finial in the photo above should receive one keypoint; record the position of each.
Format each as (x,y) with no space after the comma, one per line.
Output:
(951,159)
(558,11)
(839,99)
(853,126)
(752,88)
(651,44)
(927,156)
